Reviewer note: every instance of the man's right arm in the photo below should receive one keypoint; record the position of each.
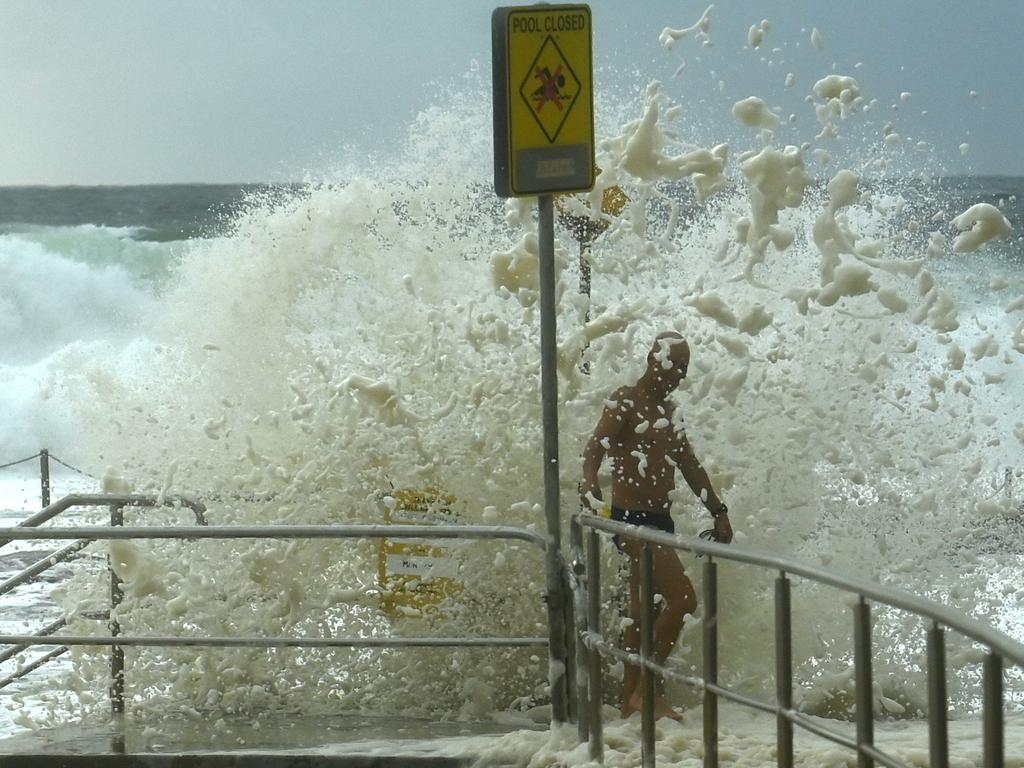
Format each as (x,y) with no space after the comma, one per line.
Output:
(607,429)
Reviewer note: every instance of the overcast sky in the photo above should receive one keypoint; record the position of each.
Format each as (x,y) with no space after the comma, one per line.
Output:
(151,91)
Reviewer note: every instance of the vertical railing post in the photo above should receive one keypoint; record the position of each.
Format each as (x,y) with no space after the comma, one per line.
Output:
(710,663)
(593,628)
(571,665)
(579,604)
(44,476)
(992,712)
(116,651)
(647,656)
(864,679)
(938,709)
(783,671)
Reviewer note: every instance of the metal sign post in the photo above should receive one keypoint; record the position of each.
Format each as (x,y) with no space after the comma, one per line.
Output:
(585,228)
(543,144)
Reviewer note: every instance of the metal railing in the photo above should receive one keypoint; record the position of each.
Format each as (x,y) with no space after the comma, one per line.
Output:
(591,645)
(583,665)
(83,535)
(38,568)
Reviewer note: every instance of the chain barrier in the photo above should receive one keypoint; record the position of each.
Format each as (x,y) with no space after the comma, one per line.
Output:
(21,461)
(51,457)
(73,469)
(83,473)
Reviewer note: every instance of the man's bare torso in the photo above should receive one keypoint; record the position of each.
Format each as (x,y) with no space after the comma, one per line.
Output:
(645,452)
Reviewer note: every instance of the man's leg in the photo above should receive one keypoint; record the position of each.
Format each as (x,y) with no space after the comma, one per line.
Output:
(677,599)
(631,635)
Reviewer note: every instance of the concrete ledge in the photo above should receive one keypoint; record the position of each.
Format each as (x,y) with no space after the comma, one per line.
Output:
(248,760)
(275,740)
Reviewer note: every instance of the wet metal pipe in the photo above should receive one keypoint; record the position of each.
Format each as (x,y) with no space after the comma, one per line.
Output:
(863,678)
(647,656)
(42,565)
(102,500)
(190,533)
(116,651)
(44,477)
(992,712)
(556,598)
(49,629)
(1007,647)
(710,663)
(172,641)
(938,710)
(579,604)
(783,670)
(594,627)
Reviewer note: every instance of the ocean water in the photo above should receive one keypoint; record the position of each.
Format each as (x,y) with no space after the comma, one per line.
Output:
(852,394)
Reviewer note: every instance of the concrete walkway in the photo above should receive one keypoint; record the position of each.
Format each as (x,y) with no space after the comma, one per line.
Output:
(301,742)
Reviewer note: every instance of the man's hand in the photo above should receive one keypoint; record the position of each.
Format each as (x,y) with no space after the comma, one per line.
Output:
(590,498)
(723,528)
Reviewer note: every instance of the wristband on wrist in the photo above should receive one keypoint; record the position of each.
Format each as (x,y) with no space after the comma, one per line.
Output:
(720,510)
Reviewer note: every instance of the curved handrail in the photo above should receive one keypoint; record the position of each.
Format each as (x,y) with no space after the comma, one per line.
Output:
(101,533)
(50,511)
(592,645)
(1007,646)
(177,641)
(82,500)
(117,641)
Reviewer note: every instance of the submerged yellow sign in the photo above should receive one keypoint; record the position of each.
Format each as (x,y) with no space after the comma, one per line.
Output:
(543,99)
(416,576)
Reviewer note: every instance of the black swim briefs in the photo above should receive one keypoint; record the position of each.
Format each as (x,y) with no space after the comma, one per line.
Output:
(661,521)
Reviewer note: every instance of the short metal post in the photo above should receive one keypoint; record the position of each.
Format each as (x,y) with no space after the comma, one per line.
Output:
(647,656)
(579,604)
(992,712)
(585,290)
(44,476)
(783,671)
(938,710)
(864,678)
(116,651)
(571,664)
(594,628)
(710,663)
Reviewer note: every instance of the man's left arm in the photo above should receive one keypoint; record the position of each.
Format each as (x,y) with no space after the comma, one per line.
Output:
(697,478)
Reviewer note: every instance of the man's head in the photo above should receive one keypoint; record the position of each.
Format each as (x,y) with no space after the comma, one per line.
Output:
(668,360)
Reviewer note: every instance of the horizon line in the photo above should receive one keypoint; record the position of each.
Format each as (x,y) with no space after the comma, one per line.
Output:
(113,185)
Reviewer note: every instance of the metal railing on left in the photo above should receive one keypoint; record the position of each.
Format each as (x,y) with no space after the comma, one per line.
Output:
(29,531)
(51,560)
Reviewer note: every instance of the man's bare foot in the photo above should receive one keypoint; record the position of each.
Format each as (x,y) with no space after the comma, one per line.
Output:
(662,708)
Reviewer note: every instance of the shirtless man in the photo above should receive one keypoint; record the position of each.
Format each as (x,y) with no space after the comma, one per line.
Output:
(646,445)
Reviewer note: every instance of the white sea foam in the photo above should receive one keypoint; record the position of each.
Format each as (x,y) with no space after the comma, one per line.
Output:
(382,334)
(746,740)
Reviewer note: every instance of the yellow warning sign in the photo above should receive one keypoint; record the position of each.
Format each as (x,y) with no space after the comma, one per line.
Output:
(550,82)
(415,576)
(543,99)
